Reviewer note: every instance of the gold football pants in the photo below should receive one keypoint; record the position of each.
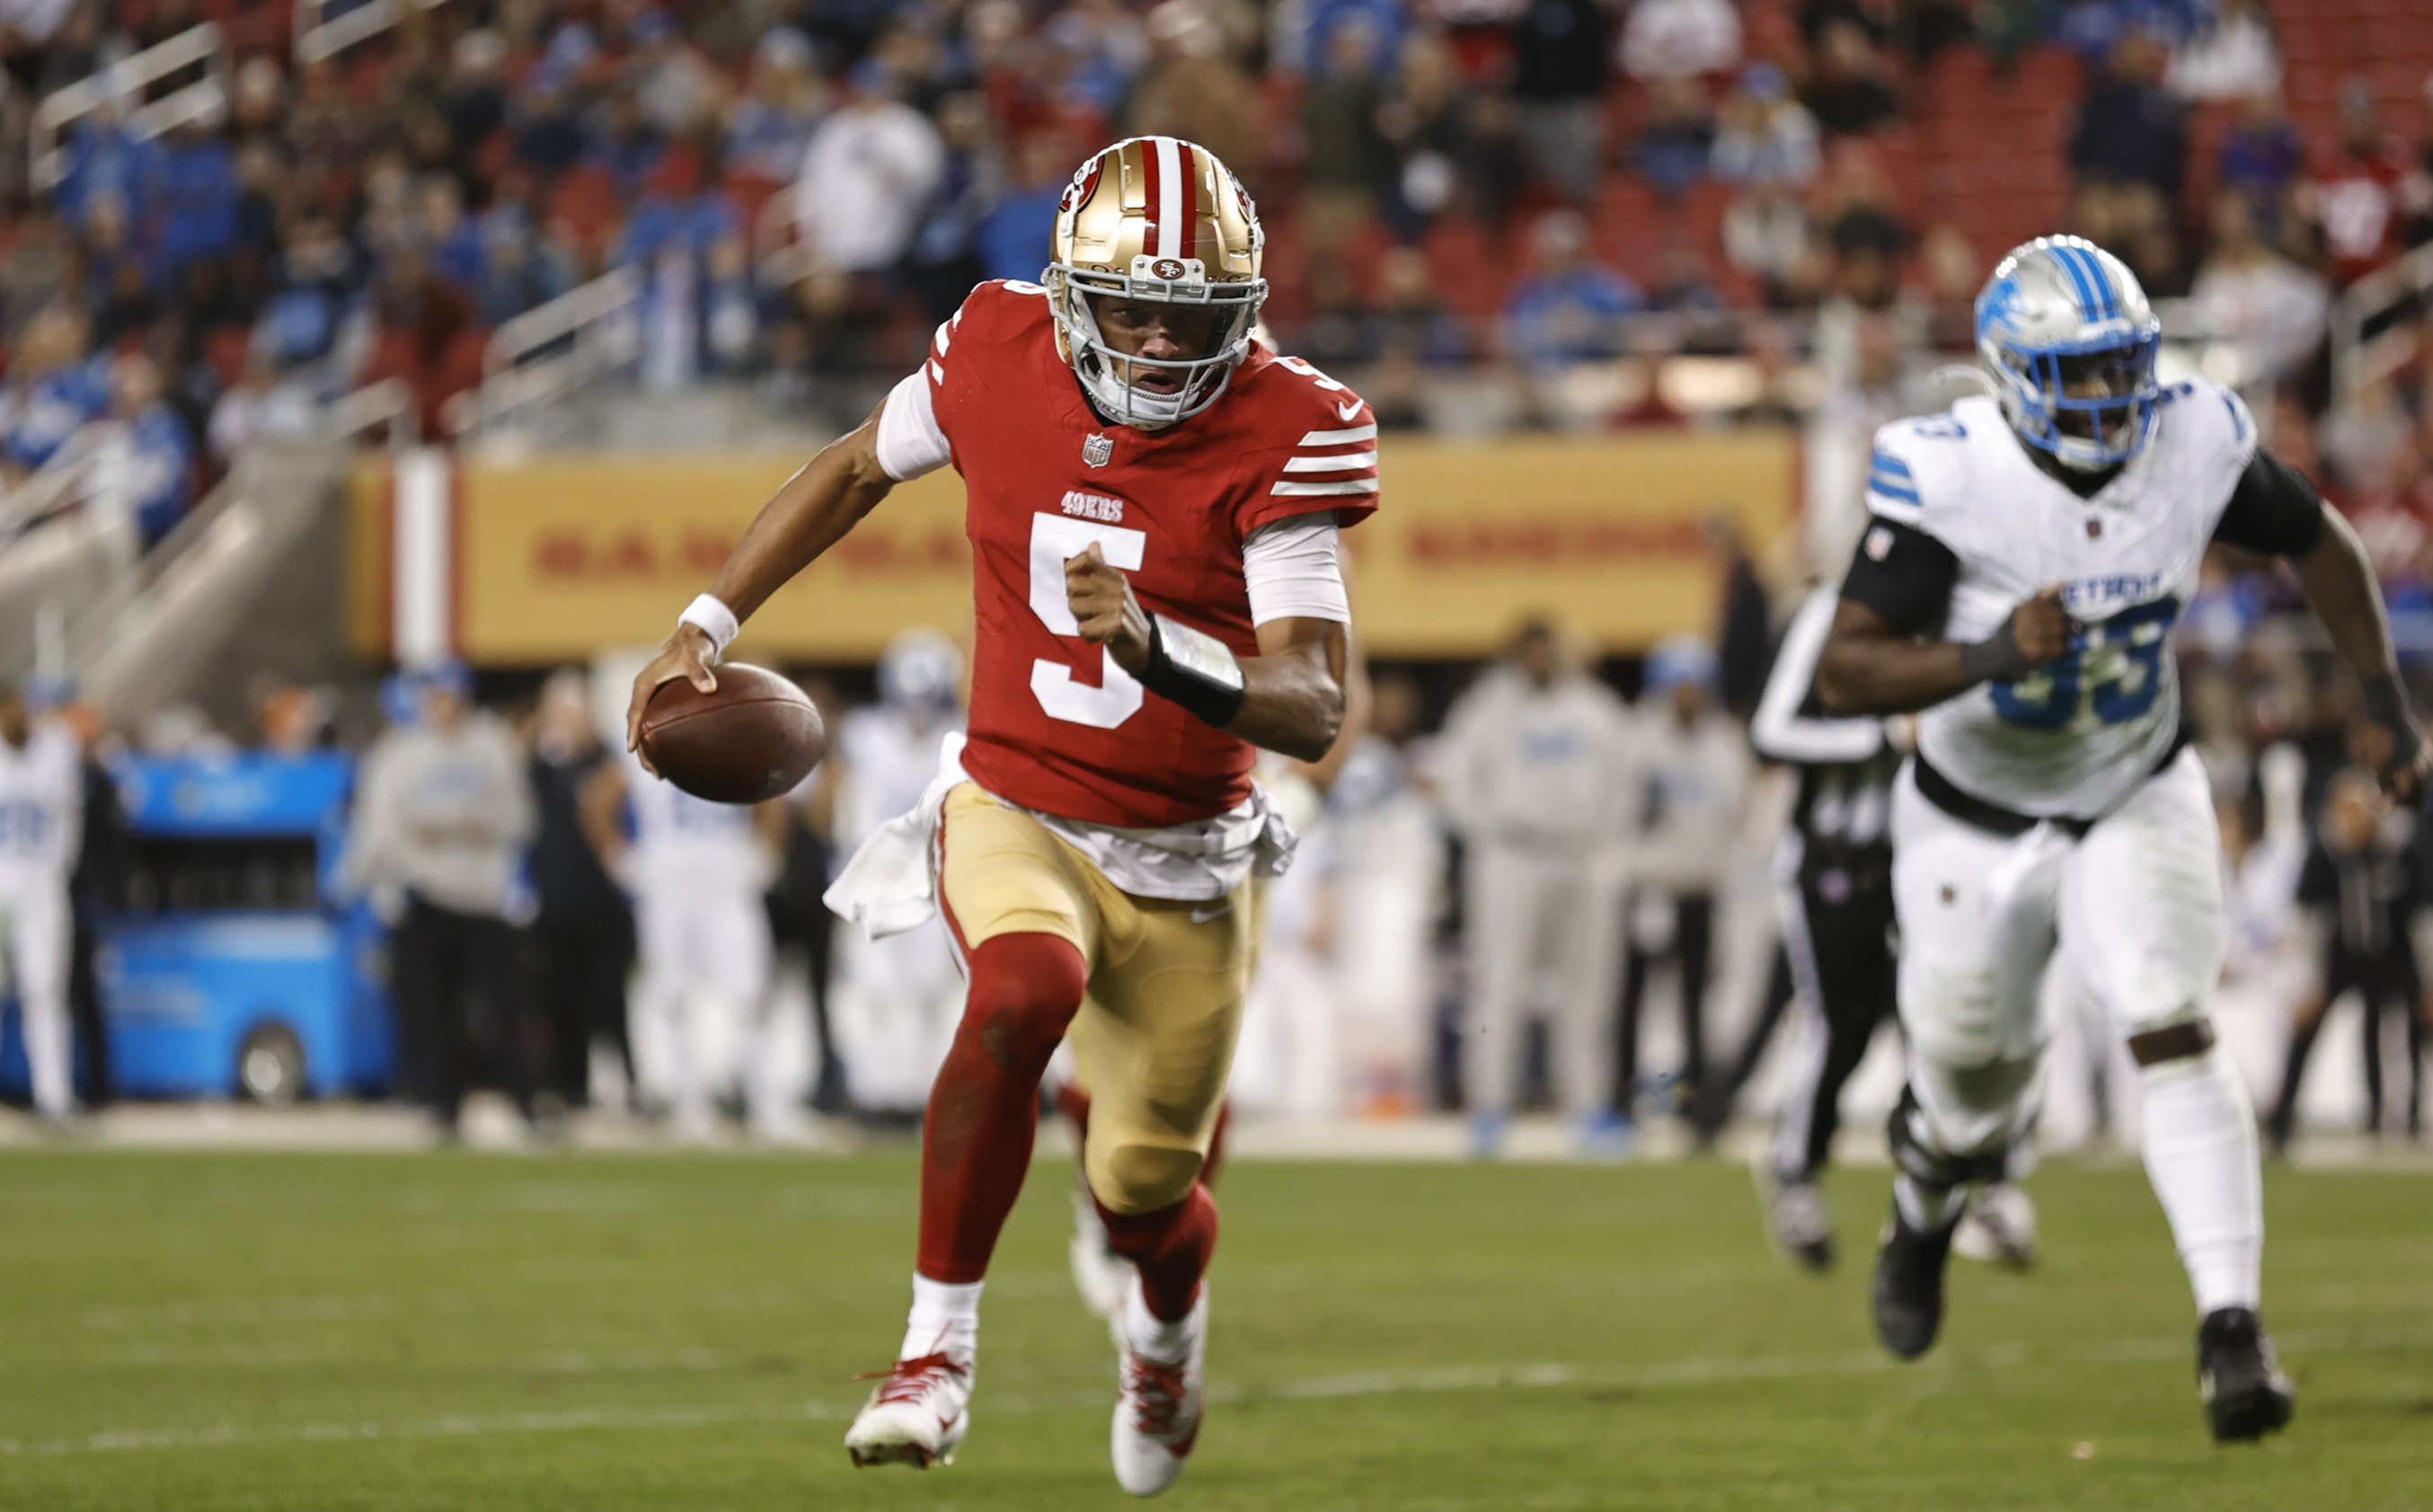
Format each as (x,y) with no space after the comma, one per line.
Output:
(1155,1033)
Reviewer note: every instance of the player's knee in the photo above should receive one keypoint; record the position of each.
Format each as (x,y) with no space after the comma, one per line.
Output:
(1134,1177)
(1024,989)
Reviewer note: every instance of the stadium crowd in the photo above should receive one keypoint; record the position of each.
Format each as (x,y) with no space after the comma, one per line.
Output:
(1551,192)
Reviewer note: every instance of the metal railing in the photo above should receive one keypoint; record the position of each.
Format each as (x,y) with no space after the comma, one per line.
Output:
(60,484)
(316,39)
(592,323)
(2387,296)
(125,79)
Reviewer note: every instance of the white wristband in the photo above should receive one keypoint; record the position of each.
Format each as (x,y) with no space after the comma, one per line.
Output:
(713,619)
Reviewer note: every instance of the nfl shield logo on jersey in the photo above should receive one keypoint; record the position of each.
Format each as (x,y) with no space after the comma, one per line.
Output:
(1098,450)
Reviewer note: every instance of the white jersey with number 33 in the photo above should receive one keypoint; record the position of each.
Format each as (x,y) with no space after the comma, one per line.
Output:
(2077,738)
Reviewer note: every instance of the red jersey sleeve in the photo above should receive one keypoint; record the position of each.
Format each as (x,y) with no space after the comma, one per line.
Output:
(1320,446)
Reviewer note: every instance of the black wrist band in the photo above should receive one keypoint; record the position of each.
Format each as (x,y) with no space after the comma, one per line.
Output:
(1194,671)
(1995,659)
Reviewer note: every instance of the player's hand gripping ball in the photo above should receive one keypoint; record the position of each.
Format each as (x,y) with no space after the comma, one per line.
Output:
(750,740)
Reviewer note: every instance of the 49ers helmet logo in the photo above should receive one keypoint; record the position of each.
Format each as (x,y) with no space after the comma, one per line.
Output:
(1168,268)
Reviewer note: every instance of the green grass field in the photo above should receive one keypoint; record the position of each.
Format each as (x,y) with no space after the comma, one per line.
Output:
(214,1331)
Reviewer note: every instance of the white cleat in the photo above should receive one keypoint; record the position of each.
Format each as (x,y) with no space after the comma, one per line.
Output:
(917,1416)
(1099,1274)
(1157,1418)
(1999,1228)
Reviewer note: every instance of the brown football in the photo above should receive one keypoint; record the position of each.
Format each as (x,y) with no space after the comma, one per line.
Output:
(751,740)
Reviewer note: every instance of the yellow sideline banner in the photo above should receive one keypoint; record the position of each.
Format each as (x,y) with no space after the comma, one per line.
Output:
(558,556)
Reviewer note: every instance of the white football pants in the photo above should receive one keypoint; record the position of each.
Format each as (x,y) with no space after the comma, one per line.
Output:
(1544,928)
(36,914)
(894,1009)
(2136,909)
(704,969)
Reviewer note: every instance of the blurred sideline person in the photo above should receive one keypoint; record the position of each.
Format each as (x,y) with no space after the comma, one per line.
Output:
(2019,582)
(2360,891)
(1537,777)
(582,936)
(695,871)
(1693,764)
(893,1002)
(96,888)
(442,814)
(1834,869)
(1389,866)
(42,807)
(1091,844)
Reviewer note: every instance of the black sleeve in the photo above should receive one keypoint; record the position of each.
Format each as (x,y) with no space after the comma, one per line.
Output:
(1903,574)
(2319,880)
(2274,510)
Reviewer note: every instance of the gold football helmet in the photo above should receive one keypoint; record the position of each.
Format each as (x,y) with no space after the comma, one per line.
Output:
(1160,220)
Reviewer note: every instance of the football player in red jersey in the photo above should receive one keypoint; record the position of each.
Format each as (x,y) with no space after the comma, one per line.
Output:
(1153,500)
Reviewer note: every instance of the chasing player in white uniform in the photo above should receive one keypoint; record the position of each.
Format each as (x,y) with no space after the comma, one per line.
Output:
(696,871)
(41,809)
(899,999)
(2019,582)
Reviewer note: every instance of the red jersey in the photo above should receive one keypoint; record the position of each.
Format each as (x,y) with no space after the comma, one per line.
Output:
(1055,724)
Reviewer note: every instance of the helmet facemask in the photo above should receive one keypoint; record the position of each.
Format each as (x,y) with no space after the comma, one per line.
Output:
(1114,378)
(2087,433)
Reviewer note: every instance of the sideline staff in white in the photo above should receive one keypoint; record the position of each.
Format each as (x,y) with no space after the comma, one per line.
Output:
(696,871)
(1689,809)
(42,807)
(897,999)
(1537,780)
(2019,583)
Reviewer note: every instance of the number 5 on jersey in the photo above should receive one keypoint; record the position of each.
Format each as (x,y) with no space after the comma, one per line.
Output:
(1117,697)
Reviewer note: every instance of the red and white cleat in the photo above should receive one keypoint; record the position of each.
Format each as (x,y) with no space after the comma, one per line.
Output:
(917,1416)
(1157,1418)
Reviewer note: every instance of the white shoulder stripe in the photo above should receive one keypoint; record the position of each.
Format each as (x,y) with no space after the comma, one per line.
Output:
(1344,462)
(1338,438)
(945,340)
(1900,511)
(1348,485)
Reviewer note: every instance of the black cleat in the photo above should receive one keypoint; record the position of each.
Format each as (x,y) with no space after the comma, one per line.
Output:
(1909,1284)
(2246,1395)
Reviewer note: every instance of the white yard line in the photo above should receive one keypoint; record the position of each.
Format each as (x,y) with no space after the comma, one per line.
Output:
(1699,1369)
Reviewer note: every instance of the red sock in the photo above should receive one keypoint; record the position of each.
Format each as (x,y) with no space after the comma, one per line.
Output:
(1171,1247)
(984,1106)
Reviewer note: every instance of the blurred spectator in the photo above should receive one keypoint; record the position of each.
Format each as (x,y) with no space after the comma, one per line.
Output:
(452,241)
(34,270)
(2360,890)
(1570,307)
(1764,136)
(96,890)
(1846,91)
(1953,275)
(106,162)
(2130,128)
(1350,163)
(584,932)
(122,271)
(2262,156)
(256,406)
(2360,197)
(1683,289)
(2230,56)
(866,177)
(146,467)
(443,810)
(770,128)
(1193,90)
(673,85)
(1674,40)
(947,254)
(424,333)
(1413,333)
(1385,25)
(1559,57)
(1674,146)
(54,389)
(1767,238)
(1104,47)
(520,267)
(1446,158)
(1014,239)
(2247,291)
(198,197)
(475,104)
(316,282)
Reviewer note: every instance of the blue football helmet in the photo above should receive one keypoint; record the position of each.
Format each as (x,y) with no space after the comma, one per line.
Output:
(2060,313)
